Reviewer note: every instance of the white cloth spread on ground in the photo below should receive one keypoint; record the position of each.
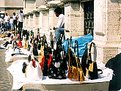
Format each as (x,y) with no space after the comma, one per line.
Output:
(19,78)
(10,51)
(34,75)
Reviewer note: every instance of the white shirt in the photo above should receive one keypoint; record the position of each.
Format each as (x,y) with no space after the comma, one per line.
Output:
(14,17)
(20,17)
(1,20)
(6,18)
(11,20)
(60,22)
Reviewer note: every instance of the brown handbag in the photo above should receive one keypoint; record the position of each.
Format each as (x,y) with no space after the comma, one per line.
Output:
(75,72)
(70,73)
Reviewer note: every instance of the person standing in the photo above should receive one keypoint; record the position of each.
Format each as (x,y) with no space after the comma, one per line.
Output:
(6,20)
(14,21)
(20,22)
(59,28)
(11,23)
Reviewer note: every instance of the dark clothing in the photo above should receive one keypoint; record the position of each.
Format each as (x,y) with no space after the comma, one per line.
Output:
(15,24)
(20,25)
(115,65)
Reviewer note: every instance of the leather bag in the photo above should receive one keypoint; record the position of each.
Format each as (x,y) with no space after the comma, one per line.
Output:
(75,71)
(92,70)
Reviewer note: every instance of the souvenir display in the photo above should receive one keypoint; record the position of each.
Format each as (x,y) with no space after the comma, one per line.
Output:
(19,44)
(58,65)
(35,50)
(92,70)
(75,71)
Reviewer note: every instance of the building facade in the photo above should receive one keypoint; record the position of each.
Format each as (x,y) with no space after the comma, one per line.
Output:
(101,18)
(10,6)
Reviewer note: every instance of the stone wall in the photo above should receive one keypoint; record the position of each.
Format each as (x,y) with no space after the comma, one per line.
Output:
(11,6)
(2,3)
(106,29)
(13,3)
(73,19)
(107,24)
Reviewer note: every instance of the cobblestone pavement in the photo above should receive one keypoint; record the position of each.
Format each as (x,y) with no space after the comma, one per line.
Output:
(5,76)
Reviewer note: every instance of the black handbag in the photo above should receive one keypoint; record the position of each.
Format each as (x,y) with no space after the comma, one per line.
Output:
(35,50)
(24,67)
(92,69)
(58,65)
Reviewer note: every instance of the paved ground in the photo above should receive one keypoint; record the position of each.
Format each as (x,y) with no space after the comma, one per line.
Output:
(5,76)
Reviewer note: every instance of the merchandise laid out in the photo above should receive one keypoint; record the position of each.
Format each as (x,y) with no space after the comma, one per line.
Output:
(72,61)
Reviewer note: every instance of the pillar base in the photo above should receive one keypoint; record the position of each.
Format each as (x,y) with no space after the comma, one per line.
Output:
(106,51)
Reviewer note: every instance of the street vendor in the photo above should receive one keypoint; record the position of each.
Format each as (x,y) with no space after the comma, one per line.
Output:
(59,28)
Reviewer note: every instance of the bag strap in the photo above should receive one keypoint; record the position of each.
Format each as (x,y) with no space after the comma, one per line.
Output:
(77,52)
(92,45)
(69,56)
(70,41)
(77,55)
(69,51)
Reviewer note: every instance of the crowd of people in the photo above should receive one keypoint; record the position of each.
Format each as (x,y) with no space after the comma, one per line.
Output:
(14,22)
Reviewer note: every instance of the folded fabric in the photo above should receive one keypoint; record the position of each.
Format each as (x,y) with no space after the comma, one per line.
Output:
(82,43)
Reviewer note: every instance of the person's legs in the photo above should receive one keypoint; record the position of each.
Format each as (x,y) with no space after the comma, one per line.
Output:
(15,25)
(20,26)
(57,34)
(11,25)
(61,30)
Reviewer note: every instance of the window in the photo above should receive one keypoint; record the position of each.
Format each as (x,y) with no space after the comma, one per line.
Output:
(88,17)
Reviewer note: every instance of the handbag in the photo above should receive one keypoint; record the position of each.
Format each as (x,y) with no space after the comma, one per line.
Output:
(19,44)
(92,69)
(26,44)
(75,71)
(58,66)
(24,67)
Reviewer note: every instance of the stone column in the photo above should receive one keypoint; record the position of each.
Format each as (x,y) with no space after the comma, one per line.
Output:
(45,24)
(52,19)
(28,5)
(74,19)
(43,20)
(40,2)
(35,21)
(40,22)
(25,22)
(30,21)
(28,25)
(106,28)
(119,50)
